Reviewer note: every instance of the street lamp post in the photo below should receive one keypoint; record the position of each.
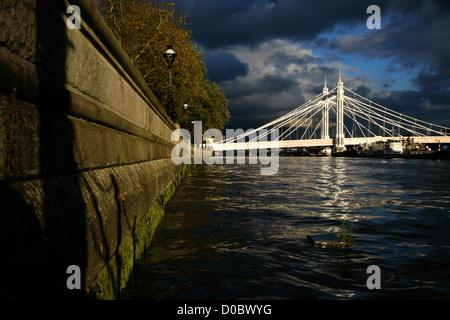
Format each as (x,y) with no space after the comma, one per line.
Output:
(170,56)
(185,116)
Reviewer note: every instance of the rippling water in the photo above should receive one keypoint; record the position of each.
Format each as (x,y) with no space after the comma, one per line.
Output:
(231,233)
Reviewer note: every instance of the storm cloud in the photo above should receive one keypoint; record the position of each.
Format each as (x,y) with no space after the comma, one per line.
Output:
(223,65)
(271,56)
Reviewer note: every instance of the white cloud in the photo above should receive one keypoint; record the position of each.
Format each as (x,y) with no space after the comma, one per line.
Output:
(281,74)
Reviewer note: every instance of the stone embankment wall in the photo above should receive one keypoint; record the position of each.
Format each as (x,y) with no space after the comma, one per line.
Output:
(85,147)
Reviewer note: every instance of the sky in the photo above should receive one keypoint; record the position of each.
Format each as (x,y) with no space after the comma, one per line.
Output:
(271,56)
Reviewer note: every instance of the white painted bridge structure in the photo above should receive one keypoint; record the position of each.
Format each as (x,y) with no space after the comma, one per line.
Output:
(358,121)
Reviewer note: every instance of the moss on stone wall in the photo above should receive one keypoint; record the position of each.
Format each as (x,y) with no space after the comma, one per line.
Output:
(116,273)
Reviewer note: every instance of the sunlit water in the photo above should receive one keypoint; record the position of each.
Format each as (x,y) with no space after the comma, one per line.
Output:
(231,233)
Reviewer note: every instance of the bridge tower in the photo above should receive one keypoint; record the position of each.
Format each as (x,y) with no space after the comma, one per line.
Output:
(325,113)
(339,140)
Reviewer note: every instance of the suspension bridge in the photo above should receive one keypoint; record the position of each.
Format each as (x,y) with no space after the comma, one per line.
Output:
(356,121)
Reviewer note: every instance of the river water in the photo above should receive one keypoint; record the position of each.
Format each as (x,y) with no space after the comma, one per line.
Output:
(231,233)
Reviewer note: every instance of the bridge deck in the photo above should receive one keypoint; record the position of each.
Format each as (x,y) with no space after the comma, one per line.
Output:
(321,142)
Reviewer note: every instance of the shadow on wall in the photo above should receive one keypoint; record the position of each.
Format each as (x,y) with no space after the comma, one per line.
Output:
(37,250)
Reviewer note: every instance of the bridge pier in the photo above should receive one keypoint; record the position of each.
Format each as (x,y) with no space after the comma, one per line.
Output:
(325,114)
(339,143)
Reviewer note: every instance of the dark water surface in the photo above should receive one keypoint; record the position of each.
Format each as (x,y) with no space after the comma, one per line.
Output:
(231,233)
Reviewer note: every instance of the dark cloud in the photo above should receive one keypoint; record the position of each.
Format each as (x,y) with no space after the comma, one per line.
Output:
(273,84)
(363,90)
(271,56)
(223,65)
(415,40)
(222,23)
(388,84)
(427,107)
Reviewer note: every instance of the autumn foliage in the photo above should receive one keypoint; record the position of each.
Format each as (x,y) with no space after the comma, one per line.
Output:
(145,28)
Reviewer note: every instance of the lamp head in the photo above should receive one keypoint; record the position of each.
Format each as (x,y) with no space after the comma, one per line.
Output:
(169,55)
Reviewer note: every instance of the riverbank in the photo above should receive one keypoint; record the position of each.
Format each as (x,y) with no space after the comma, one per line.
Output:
(442,154)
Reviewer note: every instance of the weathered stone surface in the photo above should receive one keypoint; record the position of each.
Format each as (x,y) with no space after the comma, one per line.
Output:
(93,80)
(93,145)
(20,40)
(83,219)
(85,166)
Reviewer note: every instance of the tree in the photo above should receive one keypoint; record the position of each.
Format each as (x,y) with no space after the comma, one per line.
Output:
(145,28)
